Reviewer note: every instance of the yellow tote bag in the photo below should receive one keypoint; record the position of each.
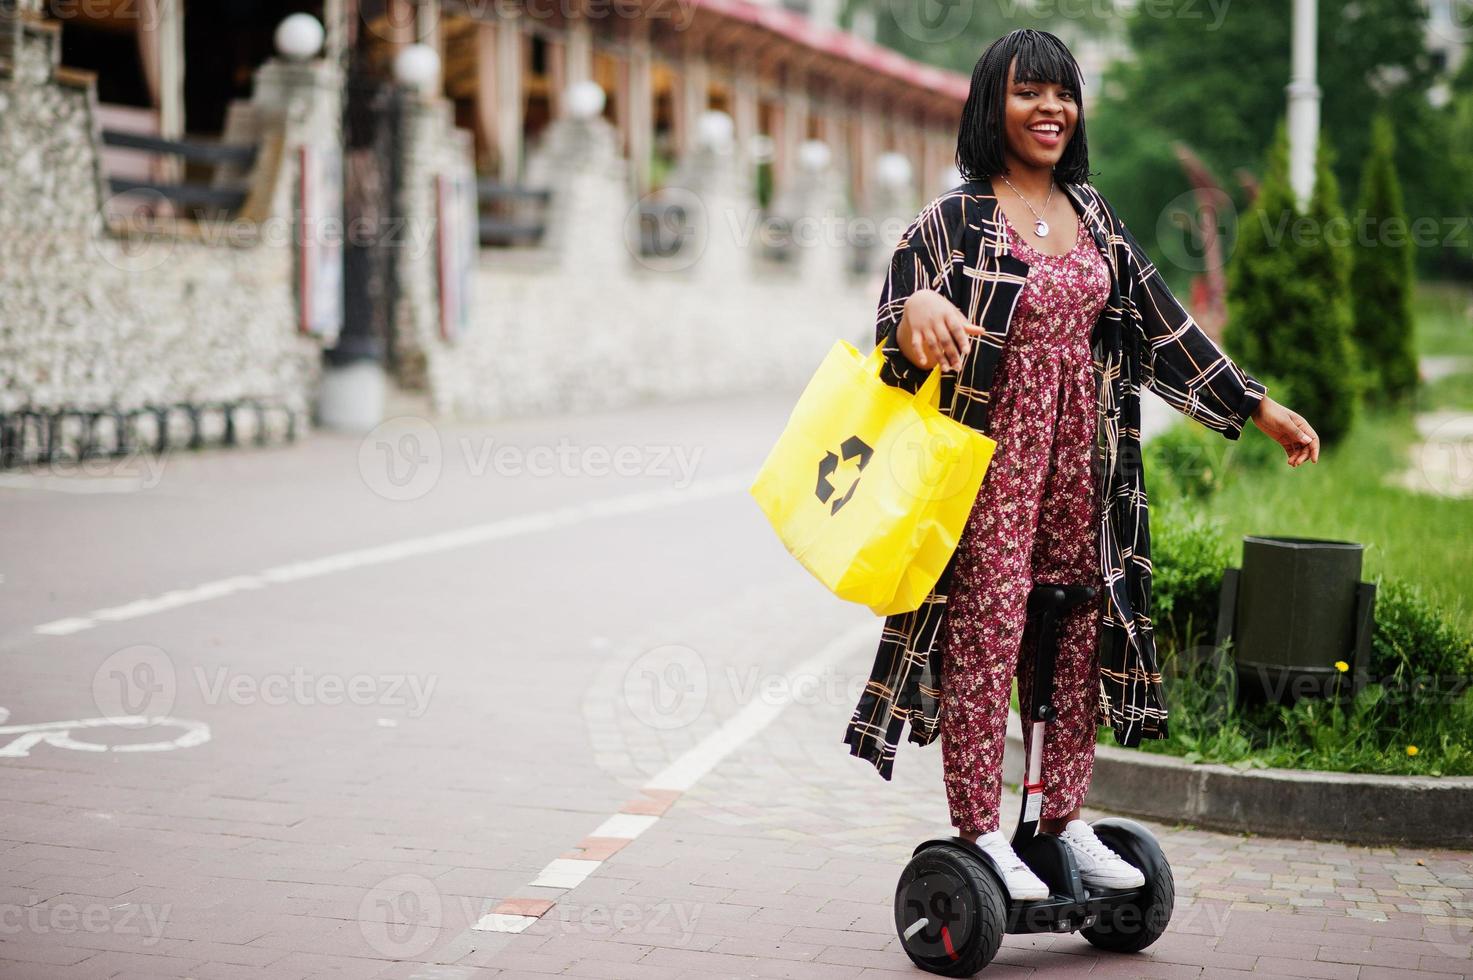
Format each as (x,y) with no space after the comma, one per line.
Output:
(868,486)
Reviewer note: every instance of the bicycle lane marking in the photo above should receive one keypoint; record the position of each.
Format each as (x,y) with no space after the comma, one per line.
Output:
(59,734)
(398,550)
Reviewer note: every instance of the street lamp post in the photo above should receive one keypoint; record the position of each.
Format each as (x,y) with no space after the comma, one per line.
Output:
(1304,103)
(354,382)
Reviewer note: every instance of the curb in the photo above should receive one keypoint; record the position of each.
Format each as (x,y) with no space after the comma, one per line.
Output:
(1354,808)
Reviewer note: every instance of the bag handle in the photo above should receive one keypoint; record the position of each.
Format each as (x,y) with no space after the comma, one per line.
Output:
(965,233)
(929,392)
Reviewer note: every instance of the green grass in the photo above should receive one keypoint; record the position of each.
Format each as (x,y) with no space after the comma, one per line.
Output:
(1370,733)
(1351,495)
(1442,311)
(1453,393)
(1444,315)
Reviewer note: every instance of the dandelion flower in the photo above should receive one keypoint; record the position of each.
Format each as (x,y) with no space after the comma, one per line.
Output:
(1342,666)
(1411,750)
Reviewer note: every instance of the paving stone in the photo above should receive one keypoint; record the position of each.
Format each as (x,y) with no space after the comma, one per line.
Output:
(279,847)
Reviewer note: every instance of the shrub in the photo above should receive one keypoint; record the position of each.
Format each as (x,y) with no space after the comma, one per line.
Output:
(1419,692)
(1192,461)
(1416,651)
(1288,296)
(1187,561)
(1382,281)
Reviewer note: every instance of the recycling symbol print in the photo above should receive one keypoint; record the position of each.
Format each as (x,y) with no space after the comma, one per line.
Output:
(851,448)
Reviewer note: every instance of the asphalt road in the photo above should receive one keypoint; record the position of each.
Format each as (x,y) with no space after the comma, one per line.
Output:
(541,697)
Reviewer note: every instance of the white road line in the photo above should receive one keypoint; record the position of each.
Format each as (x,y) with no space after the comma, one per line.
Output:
(397,550)
(501,922)
(681,775)
(624,825)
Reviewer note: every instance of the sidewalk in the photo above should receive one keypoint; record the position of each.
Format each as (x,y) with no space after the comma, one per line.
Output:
(782,862)
(494,676)
(780,865)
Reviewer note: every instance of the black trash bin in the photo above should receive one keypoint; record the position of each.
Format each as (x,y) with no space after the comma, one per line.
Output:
(1296,607)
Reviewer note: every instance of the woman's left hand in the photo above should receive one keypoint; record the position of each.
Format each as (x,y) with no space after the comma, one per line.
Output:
(1288,429)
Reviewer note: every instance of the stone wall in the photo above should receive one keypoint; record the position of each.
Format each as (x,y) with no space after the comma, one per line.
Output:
(585,322)
(96,318)
(169,318)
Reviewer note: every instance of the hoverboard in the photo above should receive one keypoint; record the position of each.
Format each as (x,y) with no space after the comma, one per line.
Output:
(951,906)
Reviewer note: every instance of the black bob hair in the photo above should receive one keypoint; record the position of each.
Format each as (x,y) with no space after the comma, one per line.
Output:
(1042,57)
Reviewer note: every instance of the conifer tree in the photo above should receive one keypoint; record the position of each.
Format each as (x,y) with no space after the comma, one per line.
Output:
(1382,278)
(1289,317)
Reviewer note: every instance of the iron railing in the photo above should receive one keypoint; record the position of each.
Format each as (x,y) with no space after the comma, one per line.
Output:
(511,214)
(38,435)
(221,195)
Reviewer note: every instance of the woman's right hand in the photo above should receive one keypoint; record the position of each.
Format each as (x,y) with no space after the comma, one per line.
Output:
(932,330)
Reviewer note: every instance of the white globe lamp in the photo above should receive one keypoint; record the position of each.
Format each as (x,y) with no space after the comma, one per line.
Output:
(418,67)
(814,156)
(299,37)
(715,130)
(585,99)
(893,170)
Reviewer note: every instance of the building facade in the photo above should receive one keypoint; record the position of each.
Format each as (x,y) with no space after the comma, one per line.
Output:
(497,202)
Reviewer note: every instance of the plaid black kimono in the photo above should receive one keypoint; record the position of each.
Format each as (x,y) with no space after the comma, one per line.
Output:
(958,246)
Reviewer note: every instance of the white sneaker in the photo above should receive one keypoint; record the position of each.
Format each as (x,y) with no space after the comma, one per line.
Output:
(1098,865)
(1021,882)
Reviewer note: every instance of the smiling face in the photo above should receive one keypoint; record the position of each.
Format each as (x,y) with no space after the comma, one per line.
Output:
(1039,119)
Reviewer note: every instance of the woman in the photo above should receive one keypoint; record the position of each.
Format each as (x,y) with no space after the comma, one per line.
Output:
(1045,316)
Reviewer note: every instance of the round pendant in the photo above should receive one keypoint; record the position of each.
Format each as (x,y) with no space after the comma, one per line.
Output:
(1041,227)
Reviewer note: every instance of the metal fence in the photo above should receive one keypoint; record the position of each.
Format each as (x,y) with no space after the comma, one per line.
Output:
(217,195)
(511,214)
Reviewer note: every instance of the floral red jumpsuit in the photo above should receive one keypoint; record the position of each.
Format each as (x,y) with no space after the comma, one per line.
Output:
(1035,519)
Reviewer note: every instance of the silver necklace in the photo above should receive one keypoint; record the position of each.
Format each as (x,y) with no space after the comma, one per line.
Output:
(1040,225)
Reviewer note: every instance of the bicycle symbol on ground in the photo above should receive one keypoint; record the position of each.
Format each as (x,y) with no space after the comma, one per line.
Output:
(59,734)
